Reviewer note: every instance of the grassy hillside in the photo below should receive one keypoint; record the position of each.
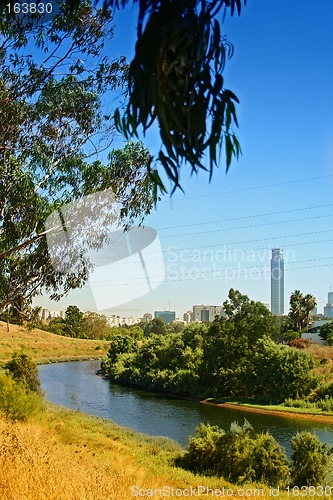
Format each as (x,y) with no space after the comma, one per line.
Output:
(64,455)
(44,347)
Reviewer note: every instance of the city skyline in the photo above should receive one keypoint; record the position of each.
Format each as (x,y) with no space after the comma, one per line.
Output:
(198,312)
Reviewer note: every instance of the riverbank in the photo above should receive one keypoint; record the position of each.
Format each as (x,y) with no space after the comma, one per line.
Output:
(45,347)
(278,410)
(66,454)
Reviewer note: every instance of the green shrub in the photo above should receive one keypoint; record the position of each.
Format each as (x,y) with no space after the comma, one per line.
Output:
(323,391)
(15,402)
(326,333)
(325,404)
(24,370)
(279,372)
(299,403)
(202,450)
(309,460)
(239,455)
(269,460)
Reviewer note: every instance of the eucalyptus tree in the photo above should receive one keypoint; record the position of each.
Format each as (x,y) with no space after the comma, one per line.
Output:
(56,138)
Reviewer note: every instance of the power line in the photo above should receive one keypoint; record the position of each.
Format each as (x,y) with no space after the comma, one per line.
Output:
(240,272)
(270,238)
(142,239)
(251,249)
(248,227)
(264,186)
(227,244)
(246,217)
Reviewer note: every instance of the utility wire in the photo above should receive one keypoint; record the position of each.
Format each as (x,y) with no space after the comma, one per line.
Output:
(252,188)
(240,272)
(248,227)
(246,217)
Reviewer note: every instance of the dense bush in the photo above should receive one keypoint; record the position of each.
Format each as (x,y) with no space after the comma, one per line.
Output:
(24,370)
(309,460)
(326,333)
(279,372)
(323,391)
(239,455)
(234,356)
(192,364)
(15,402)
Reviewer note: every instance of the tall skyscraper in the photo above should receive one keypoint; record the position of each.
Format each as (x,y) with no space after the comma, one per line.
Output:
(277,281)
(328,309)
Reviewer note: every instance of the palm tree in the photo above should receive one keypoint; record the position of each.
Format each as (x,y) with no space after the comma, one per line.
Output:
(309,303)
(300,309)
(295,311)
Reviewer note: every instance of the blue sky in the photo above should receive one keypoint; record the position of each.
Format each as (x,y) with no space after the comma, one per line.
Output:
(218,235)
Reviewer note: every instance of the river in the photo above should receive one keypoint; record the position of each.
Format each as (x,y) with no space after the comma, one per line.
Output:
(76,386)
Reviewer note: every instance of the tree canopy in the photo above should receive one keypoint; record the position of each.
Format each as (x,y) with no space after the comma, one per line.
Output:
(234,356)
(56,142)
(175,80)
(57,83)
(326,333)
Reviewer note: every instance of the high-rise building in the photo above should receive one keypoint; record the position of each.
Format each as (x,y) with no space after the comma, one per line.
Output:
(277,281)
(167,316)
(205,313)
(45,314)
(187,317)
(328,309)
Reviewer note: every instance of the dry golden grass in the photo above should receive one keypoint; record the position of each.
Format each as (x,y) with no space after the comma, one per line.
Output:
(35,466)
(320,351)
(70,456)
(43,346)
(323,352)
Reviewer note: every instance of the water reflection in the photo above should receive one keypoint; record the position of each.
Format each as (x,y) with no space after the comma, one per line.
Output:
(75,385)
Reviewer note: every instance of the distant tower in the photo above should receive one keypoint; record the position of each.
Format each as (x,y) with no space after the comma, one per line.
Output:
(277,281)
(328,309)
(330,296)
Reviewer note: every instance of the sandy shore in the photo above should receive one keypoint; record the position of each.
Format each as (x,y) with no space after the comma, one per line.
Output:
(304,416)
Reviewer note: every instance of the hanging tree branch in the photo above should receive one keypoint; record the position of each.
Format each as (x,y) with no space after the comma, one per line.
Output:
(175,80)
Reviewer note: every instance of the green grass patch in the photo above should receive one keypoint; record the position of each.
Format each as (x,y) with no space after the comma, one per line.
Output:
(250,403)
